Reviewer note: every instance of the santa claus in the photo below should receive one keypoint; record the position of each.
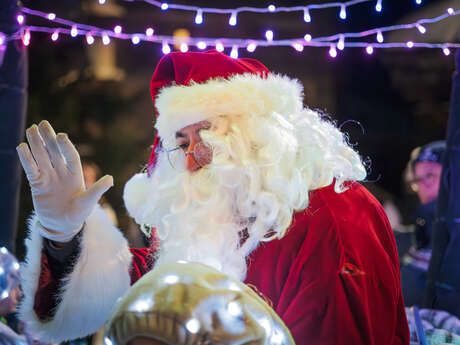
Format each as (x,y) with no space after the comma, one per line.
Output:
(242,178)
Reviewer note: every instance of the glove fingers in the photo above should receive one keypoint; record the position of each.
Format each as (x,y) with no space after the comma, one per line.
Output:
(69,152)
(38,149)
(28,163)
(92,195)
(49,137)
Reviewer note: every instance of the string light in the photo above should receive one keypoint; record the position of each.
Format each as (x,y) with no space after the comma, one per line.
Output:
(446,51)
(20,19)
(332,51)
(101,2)
(201,45)
(234,52)
(232,21)
(343,12)
(341,43)
(251,47)
(269,35)
(269,9)
(74,31)
(369,50)
(89,31)
(199,17)
(219,47)
(418,2)
(378,6)
(117,29)
(51,16)
(306,15)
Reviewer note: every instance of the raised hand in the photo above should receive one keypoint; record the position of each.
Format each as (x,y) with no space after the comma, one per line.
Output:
(53,168)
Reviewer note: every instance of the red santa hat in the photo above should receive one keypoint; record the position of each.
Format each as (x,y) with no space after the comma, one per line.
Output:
(190,87)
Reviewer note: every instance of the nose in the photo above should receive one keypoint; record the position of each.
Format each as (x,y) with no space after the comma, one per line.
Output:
(190,162)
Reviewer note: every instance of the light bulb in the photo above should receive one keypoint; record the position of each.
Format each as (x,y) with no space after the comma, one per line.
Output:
(26,42)
(234,52)
(51,16)
(117,29)
(232,21)
(105,38)
(378,6)
(420,28)
(307,37)
(20,19)
(219,47)
(164,6)
(55,35)
(332,51)
(298,47)
(343,12)
(450,10)
(183,47)
(272,8)
(135,39)
(379,37)
(418,2)
(89,38)
(446,51)
(101,2)
(369,50)
(201,45)
(149,32)
(341,43)
(251,47)
(165,48)
(269,35)
(410,44)
(306,15)
(199,17)
(74,31)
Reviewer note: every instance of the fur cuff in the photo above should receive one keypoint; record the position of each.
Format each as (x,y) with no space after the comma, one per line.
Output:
(99,278)
(242,94)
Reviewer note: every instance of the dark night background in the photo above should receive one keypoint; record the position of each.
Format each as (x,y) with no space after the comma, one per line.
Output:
(100,95)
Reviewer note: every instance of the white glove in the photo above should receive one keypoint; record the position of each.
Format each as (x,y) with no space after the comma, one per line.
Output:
(61,201)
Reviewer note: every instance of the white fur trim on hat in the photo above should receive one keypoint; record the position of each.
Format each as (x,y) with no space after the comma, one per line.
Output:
(242,94)
(99,278)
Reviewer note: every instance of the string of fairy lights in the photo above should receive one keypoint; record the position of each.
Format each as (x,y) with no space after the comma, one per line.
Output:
(335,43)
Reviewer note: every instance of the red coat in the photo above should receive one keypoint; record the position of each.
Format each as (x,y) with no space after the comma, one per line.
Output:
(333,279)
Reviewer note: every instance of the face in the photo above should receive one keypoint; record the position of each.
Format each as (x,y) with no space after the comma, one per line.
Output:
(187,139)
(9,304)
(427,176)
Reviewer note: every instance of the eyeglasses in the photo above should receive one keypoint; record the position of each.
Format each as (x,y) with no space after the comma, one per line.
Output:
(202,154)
(429,179)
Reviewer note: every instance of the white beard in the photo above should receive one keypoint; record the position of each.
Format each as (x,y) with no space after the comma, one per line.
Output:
(261,172)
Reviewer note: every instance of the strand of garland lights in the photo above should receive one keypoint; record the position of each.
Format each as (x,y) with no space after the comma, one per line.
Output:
(221,43)
(201,11)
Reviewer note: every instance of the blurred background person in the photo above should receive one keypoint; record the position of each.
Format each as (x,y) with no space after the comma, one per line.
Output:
(91,173)
(423,175)
(10,295)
